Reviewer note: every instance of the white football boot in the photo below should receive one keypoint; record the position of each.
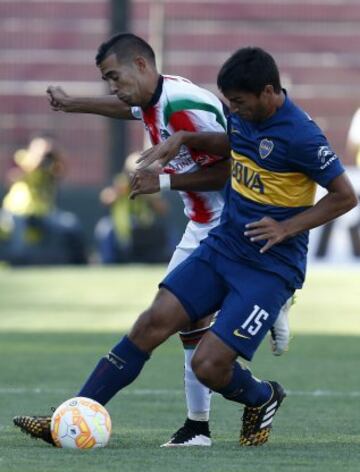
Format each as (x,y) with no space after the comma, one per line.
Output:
(280,332)
(193,433)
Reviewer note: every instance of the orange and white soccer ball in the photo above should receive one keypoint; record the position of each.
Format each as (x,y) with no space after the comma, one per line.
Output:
(81,423)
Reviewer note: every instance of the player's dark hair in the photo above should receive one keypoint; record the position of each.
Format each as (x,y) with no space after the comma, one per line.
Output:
(126,46)
(249,69)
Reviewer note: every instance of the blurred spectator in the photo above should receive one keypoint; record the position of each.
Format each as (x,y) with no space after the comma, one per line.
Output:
(353,158)
(135,230)
(353,140)
(32,229)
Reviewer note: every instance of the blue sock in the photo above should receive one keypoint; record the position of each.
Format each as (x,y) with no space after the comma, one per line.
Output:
(115,371)
(244,388)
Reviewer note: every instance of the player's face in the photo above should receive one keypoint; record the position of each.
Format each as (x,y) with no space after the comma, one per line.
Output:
(125,79)
(249,106)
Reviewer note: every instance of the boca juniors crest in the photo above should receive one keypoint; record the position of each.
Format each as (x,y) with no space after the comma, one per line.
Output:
(265,148)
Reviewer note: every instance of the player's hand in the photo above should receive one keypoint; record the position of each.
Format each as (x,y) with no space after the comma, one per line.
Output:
(162,153)
(267,229)
(144,181)
(58,99)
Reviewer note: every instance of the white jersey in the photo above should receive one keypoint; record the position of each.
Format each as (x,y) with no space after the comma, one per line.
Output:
(178,104)
(192,237)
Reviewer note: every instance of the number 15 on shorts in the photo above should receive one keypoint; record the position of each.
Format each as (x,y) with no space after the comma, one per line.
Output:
(255,320)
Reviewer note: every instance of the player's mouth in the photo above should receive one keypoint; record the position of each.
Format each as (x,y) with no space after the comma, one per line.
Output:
(248,116)
(124,98)
(244,114)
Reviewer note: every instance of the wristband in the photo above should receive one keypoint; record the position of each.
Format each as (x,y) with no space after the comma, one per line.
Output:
(164,181)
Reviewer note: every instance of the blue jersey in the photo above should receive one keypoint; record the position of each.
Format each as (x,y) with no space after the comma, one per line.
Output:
(275,167)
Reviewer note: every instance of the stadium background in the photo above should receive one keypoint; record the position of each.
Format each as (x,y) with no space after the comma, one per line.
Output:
(316,43)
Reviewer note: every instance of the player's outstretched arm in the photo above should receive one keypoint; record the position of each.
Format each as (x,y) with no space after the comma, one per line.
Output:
(107,105)
(340,199)
(205,179)
(207,142)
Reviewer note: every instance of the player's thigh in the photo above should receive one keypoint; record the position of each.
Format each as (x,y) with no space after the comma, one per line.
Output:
(250,310)
(194,233)
(198,287)
(179,255)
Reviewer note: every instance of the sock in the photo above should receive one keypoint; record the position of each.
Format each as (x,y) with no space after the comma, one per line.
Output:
(246,389)
(115,371)
(198,396)
(199,427)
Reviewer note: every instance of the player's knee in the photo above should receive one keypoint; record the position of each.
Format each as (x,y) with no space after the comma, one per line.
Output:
(163,318)
(211,369)
(150,328)
(204,369)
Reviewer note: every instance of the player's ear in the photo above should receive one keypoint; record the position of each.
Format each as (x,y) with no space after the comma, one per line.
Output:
(140,63)
(268,90)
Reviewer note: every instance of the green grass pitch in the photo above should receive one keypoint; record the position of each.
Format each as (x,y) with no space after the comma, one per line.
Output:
(56,323)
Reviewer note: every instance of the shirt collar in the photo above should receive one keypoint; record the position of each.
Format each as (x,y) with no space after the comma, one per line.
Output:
(158,91)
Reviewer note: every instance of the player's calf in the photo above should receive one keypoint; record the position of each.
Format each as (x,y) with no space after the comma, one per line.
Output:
(195,431)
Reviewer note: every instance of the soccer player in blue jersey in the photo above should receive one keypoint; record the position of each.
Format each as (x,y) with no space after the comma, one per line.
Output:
(253,261)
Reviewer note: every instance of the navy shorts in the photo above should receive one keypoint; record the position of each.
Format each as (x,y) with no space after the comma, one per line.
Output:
(248,299)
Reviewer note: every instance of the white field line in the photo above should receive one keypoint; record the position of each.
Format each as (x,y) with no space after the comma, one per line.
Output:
(169,392)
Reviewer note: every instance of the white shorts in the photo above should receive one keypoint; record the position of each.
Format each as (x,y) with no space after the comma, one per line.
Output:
(194,233)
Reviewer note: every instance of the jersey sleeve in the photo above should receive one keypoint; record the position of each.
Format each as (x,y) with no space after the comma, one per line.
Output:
(314,157)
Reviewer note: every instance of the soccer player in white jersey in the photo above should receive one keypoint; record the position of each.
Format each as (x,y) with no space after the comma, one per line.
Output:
(167,104)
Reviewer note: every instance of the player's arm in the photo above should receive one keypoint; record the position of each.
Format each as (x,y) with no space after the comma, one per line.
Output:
(340,199)
(205,179)
(107,105)
(208,142)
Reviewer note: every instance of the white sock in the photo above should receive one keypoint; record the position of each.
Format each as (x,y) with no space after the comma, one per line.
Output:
(198,396)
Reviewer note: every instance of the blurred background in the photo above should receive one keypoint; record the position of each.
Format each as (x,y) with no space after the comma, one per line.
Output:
(315,42)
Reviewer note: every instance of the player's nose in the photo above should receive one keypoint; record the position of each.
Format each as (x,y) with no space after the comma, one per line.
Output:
(113,87)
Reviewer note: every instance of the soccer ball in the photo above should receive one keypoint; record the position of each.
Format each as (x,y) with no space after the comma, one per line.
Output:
(80,423)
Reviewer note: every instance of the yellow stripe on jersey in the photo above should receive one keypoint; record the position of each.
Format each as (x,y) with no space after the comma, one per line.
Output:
(283,189)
